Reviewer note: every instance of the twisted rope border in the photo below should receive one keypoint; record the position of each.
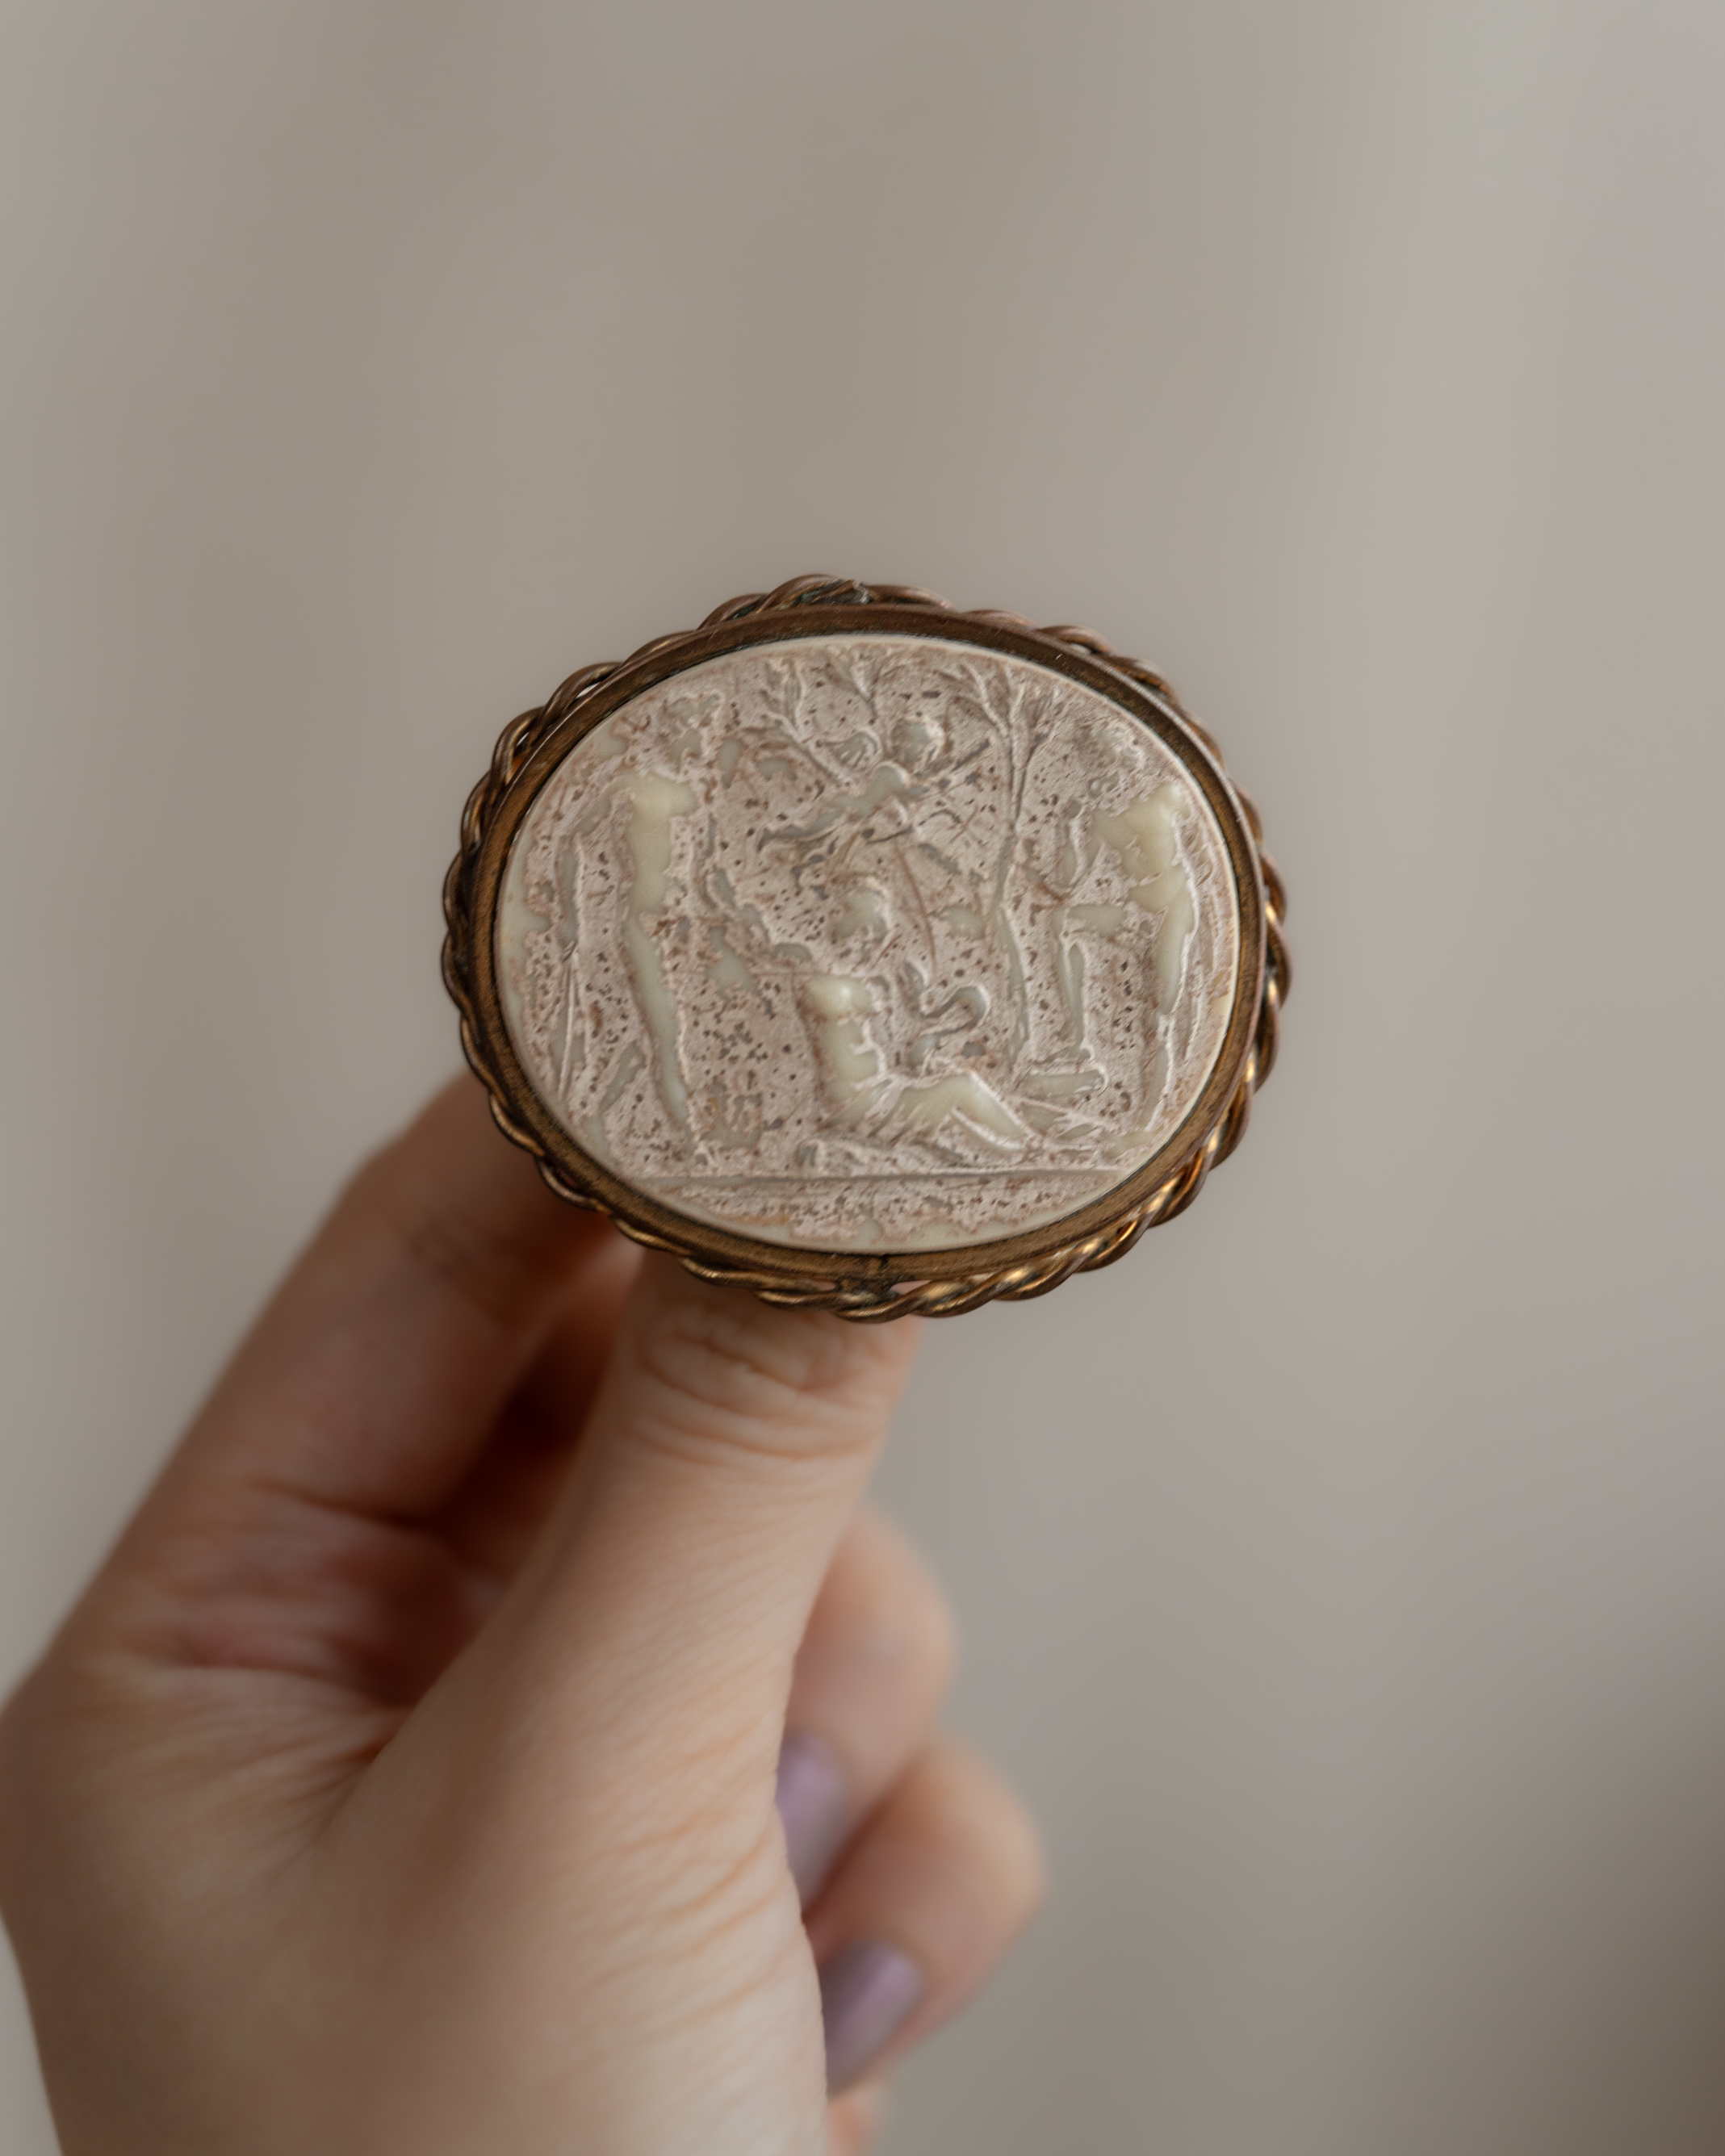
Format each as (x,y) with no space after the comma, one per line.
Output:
(868,1303)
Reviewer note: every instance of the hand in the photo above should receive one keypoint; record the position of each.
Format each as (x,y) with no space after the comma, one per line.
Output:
(404,1783)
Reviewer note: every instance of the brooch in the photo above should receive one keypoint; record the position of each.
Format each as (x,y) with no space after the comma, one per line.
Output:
(871,956)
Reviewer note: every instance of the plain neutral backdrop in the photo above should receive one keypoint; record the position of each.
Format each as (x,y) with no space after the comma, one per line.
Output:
(1343,1575)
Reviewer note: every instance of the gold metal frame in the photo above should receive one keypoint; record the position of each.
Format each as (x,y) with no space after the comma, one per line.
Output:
(868,1287)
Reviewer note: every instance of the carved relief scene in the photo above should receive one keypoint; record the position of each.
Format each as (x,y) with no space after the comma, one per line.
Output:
(870,942)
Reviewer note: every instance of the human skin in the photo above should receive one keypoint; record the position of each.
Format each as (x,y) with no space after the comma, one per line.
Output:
(405,1779)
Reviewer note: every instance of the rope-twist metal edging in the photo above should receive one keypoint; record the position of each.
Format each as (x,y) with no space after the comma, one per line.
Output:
(872,1303)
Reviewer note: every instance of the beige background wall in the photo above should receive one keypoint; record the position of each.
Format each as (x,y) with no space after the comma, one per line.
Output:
(1344,1575)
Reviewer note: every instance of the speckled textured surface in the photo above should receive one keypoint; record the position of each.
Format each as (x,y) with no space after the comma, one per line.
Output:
(870,942)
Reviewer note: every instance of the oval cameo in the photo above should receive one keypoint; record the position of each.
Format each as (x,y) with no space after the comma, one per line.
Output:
(870,943)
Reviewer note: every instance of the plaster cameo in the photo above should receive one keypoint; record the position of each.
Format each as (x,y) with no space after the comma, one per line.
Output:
(868,942)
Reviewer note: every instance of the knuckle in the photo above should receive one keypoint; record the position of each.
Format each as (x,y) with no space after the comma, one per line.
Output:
(485,1229)
(887,1607)
(494,1271)
(719,1367)
(912,1647)
(1022,1860)
(37,1759)
(984,1825)
(11,1765)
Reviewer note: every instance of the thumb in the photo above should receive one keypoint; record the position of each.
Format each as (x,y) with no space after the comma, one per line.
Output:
(728,1444)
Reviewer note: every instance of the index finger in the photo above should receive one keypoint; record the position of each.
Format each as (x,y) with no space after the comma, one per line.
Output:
(374,1374)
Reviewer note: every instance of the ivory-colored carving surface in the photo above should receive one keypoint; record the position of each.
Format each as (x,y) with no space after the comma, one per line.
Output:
(870,942)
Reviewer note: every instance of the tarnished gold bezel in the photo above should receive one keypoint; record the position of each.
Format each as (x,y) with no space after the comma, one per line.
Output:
(865,1285)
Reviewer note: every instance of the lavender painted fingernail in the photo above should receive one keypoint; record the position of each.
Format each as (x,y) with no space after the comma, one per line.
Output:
(866,1994)
(813,1808)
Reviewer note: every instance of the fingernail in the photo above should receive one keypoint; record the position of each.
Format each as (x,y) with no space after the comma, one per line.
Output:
(813,1804)
(866,1994)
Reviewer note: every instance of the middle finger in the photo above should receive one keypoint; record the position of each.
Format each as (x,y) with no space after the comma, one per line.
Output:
(870,1674)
